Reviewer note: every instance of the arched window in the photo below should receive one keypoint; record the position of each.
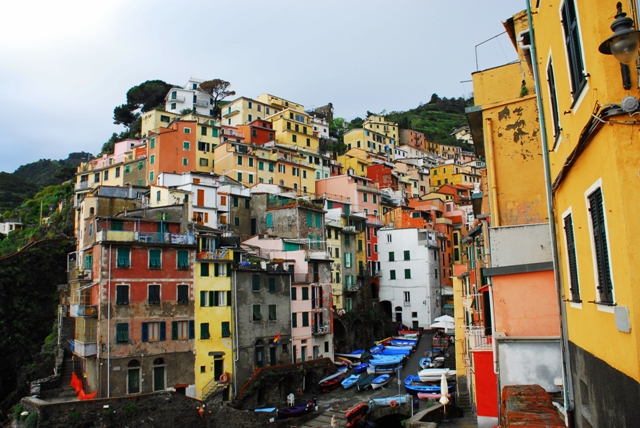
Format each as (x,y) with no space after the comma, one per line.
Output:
(259,353)
(133,377)
(159,375)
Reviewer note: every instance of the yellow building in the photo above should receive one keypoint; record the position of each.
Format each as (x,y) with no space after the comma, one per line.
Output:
(213,319)
(591,119)
(245,110)
(371,142)
(380,125)
(237,161)
(356,159)
(294,128)
(453,173)
(279,103)
(153,120)
(334,247)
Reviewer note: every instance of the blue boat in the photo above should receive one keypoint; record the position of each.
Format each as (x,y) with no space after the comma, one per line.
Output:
(387,351)
(387,401)
(399,342)
(390,360)
(412,384)
(350,381)
(360,368)
(380,381)
(376,349)
(297,410)
(365,382)
(409,348)
(355,355)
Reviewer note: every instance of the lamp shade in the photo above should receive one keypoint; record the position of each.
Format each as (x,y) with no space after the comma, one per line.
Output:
(625,47)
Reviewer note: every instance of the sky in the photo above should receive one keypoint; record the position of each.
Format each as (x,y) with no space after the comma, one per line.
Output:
(65,65)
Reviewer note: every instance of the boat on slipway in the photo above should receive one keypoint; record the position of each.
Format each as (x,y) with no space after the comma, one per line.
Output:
(350,381)
(364,382)
(434,375)
(390,401)
(296,410)
(380,381)
(330,382)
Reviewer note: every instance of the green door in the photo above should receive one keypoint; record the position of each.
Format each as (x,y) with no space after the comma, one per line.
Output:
(304,353)
(158,379)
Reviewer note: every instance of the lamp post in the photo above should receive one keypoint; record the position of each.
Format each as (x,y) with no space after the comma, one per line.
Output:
(623,44)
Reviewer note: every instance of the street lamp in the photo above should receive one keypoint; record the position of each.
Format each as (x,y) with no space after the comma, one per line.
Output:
(623,44)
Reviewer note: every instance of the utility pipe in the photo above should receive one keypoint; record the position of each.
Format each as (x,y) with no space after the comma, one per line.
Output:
(567,382)
(109,329)
(235,316)
(493,187)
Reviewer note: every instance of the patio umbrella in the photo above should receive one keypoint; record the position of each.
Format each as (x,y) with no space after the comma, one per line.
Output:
(444,390)
(446,325)
(445,318)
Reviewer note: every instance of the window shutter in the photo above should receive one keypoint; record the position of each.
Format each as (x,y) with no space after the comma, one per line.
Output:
(211,301)
(571,255)
(163,331)
(145,332)
(605,285)
(574,50)
(174,330)
(216,296)
(228,298)
(203,298)
(215,269)
(192,330)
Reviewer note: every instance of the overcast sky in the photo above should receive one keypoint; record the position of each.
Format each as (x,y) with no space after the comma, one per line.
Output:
(64,65)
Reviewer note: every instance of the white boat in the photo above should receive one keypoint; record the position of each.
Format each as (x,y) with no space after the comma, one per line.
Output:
(434,375)
(380,381)
(389,401)
(400,347)
(382,369)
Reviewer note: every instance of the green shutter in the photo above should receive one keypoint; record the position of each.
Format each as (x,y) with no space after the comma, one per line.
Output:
(183,259)
(211,299)
(318,220)
(272,284)
(174,330)
(226,332)
(203,298)
(255,282)
(309,219)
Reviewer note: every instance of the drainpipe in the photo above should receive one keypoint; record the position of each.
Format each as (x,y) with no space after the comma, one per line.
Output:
(235,320)
(567,382)
(109,329)
(493,187)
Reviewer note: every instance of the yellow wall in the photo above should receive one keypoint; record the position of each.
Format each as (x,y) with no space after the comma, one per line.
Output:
(379,125)
(369,141)
(279,103)
(293,128)
(153,120)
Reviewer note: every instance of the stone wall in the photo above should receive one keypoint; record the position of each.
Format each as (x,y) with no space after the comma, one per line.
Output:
(528,405)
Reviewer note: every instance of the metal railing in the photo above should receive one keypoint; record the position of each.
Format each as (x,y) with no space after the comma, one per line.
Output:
(148,237)
(215,255)
(476,337)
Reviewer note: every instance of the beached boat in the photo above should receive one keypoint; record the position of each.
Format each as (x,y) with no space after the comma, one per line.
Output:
(409,333)
(296,410)
(390,401)
(431,396)
(401,342)
(355,355)
(392,351)
(330,382)
(380,381)
(350,381)
(409,348)
(383,369)
(265,409)
(356,413)
(434,375)
(430,363)
(413,385)
(375,349)
(389,360)
(365,382)
(360,368)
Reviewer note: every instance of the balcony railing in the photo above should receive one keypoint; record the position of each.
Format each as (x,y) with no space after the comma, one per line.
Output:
(148,237)
(476,337)
(85,349)
(321,329)
(303,278)
(83,185)
(201,103)
(176,99)
(215,255)
(406,304)
(83,311)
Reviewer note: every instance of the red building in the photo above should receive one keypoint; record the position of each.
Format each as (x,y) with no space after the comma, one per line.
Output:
(257,132)
(383,175)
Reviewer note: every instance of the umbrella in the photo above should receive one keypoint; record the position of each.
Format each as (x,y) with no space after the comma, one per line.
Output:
(447,325)
(444,390)
(445,318)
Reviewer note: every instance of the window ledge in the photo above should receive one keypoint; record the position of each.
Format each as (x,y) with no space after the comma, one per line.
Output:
(602,303)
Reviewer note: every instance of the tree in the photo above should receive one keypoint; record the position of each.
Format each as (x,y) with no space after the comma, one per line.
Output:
(357,122)
(219,90)
(141,99)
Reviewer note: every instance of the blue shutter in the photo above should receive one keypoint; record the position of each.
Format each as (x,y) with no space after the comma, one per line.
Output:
(145,332)
(163,331)
(192,330)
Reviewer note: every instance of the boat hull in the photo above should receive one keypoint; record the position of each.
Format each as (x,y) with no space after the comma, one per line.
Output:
(350,381)
(297,410)
(365,382)
(380,381)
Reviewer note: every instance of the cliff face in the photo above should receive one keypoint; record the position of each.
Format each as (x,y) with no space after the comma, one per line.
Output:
(28,305)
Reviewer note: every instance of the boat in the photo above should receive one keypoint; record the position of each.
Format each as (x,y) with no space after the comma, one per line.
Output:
(375,349)
(428,395)
(425,363)
(383,369)
(409,348)
(379,342)
(355,355)
(391,351)
(389,360)
(265,409)
(412,384)
(296,410)
(350,381)
(412,333)
(340,362)
(360,368)
(365,382)
(434,375)
(401,342)
(390,401)
(380,381)
(331,382)
(356,413)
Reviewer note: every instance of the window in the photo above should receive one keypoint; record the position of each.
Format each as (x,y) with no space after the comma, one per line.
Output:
(337,253)
(203,130)
(123,259)
(122,294)
(255,282)
(239,176)
(294,137)
(204,331)
(122,332)
(294,320)
(553,99)
(96,177)
(172,106)
(599,235)
(294,293)
(183,294)
(260,165)
(272,284)
(154,331)
(225,327)
(269,219)
(257,315)
(364,197)
(204,269)
(281,168)
(360,245)
(407,273)
(407,255)
(117,172)
(272,313)
(392,274)
(182,330)
(204,162)
(127,169)
(305,293)
(187,130)
(236,221)
(389,238)
(133,377)
(392,257)
(375,199)
(407,297)
(574,49)
(309,219)
(318,220)
(239,160)
(305,319)
(250,179)
(155,259)
(154,295)
(249,117)
(572,259)
(185,161)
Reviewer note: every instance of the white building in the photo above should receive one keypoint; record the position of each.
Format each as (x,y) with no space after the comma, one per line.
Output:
(189,97)
(9,225)
(203,190)
(409,282)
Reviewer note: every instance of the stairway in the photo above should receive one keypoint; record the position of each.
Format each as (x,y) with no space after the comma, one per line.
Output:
(67,371)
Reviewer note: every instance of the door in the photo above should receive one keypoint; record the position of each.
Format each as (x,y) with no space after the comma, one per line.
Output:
(272,356)
(303,350)
(254,227)
(158,378)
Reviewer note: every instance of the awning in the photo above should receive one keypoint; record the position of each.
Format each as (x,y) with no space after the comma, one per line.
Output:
(448,306)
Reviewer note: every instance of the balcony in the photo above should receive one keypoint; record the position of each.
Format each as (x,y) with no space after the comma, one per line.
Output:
(443,220)
(321,329)
(85,349)
(83,311)
(303,278)
(352,287)
(82,185)
(176,100)
(231,113)
(147,237)
(215,255)
(476,337)
(406,304)
(201,103)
